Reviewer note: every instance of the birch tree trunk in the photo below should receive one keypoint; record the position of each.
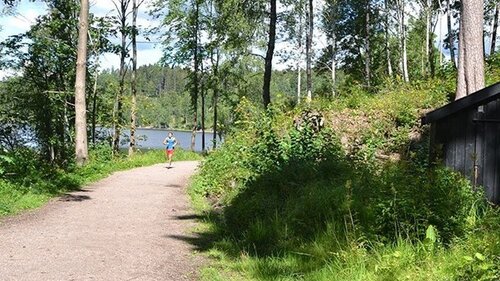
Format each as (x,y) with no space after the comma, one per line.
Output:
(194,98)
(494,31)
(203,94)
(367,46)
(440,44)
(216,97)
(81,147)
(387,47)
(451,38)
(470,49)
(300,50)
(133,80)
(334,63)
(266,91)
(118,114)
(310,24)
(299,81)
(94,105)
(427,35)
(404,57)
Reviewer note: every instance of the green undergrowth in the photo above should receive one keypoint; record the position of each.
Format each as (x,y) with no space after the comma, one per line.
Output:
(27,182)
(357,200)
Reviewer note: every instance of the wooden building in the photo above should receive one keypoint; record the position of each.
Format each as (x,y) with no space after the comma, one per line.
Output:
(465,135)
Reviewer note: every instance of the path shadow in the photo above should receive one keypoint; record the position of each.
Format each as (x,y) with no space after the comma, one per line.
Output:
(189,217)
(200,242)
(174,185)
(84,190)
(74,198)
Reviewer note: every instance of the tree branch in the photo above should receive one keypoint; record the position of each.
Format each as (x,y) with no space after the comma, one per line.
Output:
(258,55)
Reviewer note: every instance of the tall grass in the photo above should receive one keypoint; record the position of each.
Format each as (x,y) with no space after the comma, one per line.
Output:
(288,204)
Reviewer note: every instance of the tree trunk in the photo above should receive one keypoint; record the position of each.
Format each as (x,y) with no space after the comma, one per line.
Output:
(193,132)
(94,107)
(432,49)
(432,55)
(334,67)
(214,137)
(133,80)
(203,94)
(118,114)
(299,81)
(427,35)
(194,98)
(451,38)
(494,31)
(440,44)
(81,147)
(367,46)
(299,60)
(404,58)
(216,97)
(266,91)
(387,47)
(309,36)
(470,49)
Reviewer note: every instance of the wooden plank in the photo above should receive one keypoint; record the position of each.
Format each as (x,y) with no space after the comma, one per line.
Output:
(433,143)
(490,163)
(480,97)
(495,188)
(459,128)
(479,152)
(487,120)
(448,143)
(439,142)
(470,141)
(453,140)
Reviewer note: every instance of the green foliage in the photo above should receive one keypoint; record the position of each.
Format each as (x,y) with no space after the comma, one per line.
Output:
(45,58)
(304,205)
(4,160)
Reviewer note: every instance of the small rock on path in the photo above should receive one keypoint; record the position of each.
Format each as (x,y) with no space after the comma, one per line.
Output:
(133,225)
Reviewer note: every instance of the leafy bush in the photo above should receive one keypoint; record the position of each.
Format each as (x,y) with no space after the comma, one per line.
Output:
(291,204)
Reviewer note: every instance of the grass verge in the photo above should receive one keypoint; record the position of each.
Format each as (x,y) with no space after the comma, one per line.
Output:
(29,183)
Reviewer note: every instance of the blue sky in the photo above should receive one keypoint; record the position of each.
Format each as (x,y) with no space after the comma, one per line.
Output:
(26,12)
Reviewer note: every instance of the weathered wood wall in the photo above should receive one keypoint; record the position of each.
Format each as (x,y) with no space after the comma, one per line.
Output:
(468,142)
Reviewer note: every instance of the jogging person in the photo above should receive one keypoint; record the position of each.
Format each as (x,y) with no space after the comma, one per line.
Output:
(170,142)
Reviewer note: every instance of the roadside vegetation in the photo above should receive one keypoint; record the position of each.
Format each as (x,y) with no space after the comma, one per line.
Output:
(26,181)
(285,197)
(356,200)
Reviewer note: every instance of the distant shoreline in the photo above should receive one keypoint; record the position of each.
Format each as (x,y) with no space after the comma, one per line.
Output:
(174,130)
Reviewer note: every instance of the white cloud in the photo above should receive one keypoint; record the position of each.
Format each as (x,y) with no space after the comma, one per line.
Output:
(24,16)
(4,73)
(27,12)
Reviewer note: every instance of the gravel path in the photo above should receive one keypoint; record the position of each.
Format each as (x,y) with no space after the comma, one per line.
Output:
(132,225)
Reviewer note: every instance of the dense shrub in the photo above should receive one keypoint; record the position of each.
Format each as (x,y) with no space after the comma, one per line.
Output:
(295,182)
(301,203)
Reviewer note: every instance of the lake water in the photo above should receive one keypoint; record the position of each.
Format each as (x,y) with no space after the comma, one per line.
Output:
(153,139)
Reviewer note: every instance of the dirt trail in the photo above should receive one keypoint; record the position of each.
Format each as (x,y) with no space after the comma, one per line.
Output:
(132,225)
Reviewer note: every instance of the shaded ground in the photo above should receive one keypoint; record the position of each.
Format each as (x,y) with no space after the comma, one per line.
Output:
(125,227)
